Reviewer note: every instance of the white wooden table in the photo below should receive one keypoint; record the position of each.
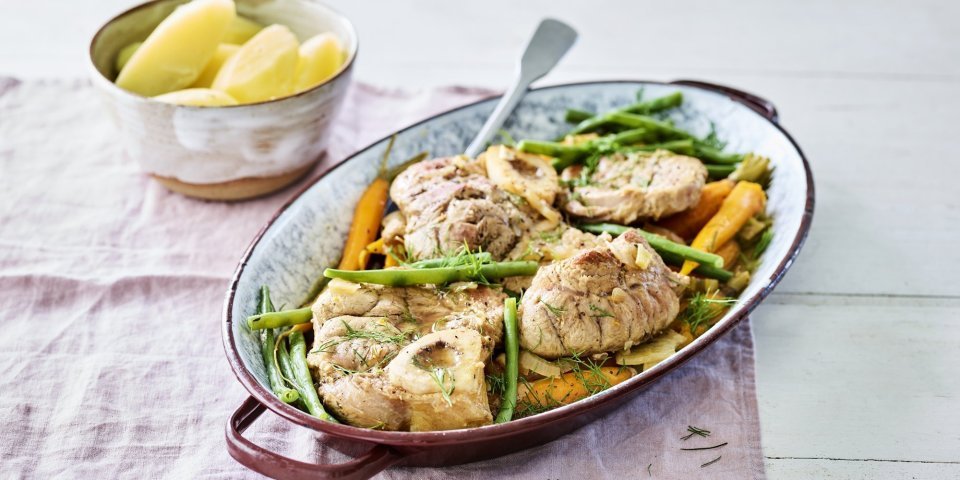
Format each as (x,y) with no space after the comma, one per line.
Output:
(858,351)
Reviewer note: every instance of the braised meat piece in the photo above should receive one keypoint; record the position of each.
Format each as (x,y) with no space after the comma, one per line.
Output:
(601,299)
(375,345)
(637,186)
(448,203)
(434,383)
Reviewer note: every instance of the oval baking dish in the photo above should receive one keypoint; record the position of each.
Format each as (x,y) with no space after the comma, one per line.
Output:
(307,234)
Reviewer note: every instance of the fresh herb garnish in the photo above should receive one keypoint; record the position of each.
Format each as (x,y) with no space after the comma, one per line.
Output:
(601,313)
(695,431)
(440,375)
(712,139)
(706,448)
(395,337)
(556,311)
(702,309)
(711,462)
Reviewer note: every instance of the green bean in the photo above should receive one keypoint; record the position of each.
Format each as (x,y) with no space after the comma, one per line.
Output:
(627,137)
(659,243)
(665,102)
(512,347)
(662,129)
(453,261)
(590,125)
(435,276)
(286,318)
(719,171)
(302,379)
(565,153)
(708,271)
(286,367)
(595,122)
(286,395)
(712,155)
(683,147)
(576,116)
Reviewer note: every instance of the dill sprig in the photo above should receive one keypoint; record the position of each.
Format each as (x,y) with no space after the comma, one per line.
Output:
(556,311)
(711,462)
(395,337)
(595,381)
(496,384)
(601,313)
(703,308)
(695,431)
(440,375)
(706,448)
(712,139)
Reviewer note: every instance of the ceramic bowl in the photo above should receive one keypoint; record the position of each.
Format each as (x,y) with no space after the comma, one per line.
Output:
(307,235)
(224,152)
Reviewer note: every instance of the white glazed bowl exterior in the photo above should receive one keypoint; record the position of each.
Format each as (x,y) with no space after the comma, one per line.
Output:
(206,145)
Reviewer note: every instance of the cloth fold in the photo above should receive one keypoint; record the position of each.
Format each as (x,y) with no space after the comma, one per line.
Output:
(111,362)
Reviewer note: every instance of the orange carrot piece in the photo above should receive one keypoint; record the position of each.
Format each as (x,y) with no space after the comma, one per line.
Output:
(366,223)
(689,222)
(745,200)
(571,386)
(730,252)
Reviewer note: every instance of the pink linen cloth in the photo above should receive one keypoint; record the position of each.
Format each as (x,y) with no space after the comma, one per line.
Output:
(111,364)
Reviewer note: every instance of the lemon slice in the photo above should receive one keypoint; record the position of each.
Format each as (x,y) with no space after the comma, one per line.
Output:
(175,53)
(240,30)
(209,73)
(320,57)
(263,68)
(197,97)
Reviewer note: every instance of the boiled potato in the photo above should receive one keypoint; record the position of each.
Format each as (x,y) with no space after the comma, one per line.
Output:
(197,97)
(175,53)
(124,56)
(224,51)
(320,57)
(263,68)
(240,30)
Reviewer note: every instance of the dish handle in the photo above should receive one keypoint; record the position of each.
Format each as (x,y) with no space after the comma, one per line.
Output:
(758,104)
(277,466)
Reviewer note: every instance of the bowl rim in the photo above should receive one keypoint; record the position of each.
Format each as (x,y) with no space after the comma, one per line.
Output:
(344,68)
(535,422)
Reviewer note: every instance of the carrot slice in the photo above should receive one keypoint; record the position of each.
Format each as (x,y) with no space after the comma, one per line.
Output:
(745,200)
(571,386)
(366,223)
(689,222)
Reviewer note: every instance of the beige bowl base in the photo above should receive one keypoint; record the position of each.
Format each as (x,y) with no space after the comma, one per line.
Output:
(241,189)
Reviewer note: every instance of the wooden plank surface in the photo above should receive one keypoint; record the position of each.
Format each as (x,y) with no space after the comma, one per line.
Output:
(858,352)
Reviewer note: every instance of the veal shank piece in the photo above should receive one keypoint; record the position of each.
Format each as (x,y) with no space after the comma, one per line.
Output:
(601,299)
(375,346)
(636,186)
(448,203)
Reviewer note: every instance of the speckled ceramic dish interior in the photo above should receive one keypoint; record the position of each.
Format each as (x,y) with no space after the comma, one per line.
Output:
(308,234)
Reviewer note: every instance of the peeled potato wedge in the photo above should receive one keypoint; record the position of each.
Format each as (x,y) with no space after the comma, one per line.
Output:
(320,57)
(175,53)
(197,97)
(240,30)
(263,68)
(209,73)
(124,56)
